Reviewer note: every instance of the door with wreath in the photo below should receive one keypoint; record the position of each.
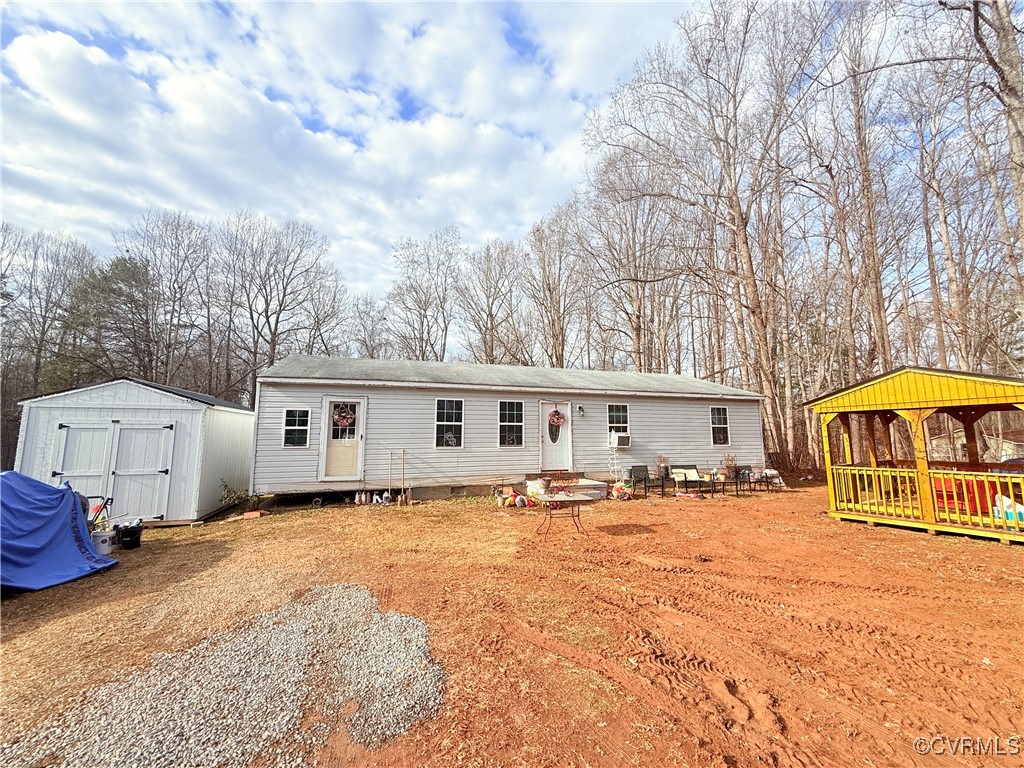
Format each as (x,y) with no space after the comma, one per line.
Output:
(343,453)
(555,437)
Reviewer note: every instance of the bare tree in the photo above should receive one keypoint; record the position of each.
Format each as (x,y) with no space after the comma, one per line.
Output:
(422,303)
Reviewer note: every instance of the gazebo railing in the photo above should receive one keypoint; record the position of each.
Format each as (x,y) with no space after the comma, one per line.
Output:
(884,491)
(988,499)
(968,499)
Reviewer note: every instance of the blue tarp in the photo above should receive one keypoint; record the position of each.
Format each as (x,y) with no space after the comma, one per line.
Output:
(44,539)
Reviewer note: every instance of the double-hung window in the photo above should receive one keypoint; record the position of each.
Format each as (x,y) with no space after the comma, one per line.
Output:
(510,423)
(296,427)
(448,424)
(719,425)
(618,418)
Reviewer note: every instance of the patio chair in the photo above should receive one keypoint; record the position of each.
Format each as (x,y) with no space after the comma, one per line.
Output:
(740,475)
(688,476)
(641,478)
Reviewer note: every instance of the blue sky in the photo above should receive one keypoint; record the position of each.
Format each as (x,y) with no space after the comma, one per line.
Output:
(374,122)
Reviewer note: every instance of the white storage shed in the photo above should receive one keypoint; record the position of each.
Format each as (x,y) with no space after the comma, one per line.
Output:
(161,453)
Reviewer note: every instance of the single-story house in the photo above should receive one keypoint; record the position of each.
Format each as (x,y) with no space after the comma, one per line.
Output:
(337,424)
(161,453)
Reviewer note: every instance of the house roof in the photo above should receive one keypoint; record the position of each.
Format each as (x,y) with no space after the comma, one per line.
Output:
(198,397)
(506,377)
(912,387)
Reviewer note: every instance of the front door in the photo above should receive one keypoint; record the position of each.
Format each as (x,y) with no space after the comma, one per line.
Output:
(555,437)
(343,448)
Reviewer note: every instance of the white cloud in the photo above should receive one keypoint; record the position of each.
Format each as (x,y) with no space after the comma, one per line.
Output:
(375,122)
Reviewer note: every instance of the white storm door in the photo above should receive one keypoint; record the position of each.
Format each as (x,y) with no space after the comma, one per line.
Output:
(141,472)
(343,440)
(83,458)
(555,438)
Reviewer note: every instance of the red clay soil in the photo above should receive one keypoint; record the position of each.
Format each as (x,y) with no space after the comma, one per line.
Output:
(724,632)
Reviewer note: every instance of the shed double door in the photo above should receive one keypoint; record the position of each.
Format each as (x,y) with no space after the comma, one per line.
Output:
(129,462)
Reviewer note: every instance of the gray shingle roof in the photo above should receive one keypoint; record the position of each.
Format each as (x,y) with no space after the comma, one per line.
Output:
(472,375)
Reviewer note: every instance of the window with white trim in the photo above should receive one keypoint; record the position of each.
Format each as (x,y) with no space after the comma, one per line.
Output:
(448,424)
(719,425)
(510,423)
(618,418)
(296,427)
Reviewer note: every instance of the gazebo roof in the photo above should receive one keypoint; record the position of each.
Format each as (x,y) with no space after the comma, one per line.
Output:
(912,388)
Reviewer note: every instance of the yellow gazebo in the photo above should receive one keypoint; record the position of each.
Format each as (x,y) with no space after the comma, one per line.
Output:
(966,496)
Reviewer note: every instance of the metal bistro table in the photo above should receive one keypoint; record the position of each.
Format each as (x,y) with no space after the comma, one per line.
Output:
(562,505)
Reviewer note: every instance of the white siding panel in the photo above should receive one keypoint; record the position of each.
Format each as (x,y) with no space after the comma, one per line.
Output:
(403,418)
(227,455)
(126,393)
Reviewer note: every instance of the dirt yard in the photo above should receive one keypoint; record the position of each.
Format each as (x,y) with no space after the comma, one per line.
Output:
(725,632)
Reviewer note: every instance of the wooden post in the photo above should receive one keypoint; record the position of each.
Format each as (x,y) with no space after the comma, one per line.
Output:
(826,419)
(925,492)
(968,417)
(844,419)
(869,430)
(887,419)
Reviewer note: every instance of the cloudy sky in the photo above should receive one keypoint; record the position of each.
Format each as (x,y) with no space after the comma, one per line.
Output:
(374,122)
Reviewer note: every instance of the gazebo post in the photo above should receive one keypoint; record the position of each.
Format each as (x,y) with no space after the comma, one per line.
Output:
(826,419)
(925,496)
(968,417)
(869,429)
(844,419)
(887,419)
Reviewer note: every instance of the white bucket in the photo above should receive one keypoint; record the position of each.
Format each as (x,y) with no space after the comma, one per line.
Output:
(103,541)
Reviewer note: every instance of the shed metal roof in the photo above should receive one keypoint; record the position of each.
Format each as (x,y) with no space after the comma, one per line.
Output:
(474,375)
(198,397)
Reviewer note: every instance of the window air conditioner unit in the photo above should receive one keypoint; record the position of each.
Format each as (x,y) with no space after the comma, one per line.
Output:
(618,439)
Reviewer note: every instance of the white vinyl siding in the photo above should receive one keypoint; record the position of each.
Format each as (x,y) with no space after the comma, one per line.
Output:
(510,423)
(404,418)
(226,455)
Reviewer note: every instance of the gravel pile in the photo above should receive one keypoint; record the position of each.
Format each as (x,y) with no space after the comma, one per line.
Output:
(273,690)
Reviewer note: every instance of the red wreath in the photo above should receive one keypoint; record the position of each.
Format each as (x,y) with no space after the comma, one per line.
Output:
(556,418)
(344,416)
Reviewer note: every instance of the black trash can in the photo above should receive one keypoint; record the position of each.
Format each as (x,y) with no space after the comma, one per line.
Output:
(130,536)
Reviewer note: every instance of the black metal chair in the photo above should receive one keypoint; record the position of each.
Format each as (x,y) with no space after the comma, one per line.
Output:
(641,477)
(740,476)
